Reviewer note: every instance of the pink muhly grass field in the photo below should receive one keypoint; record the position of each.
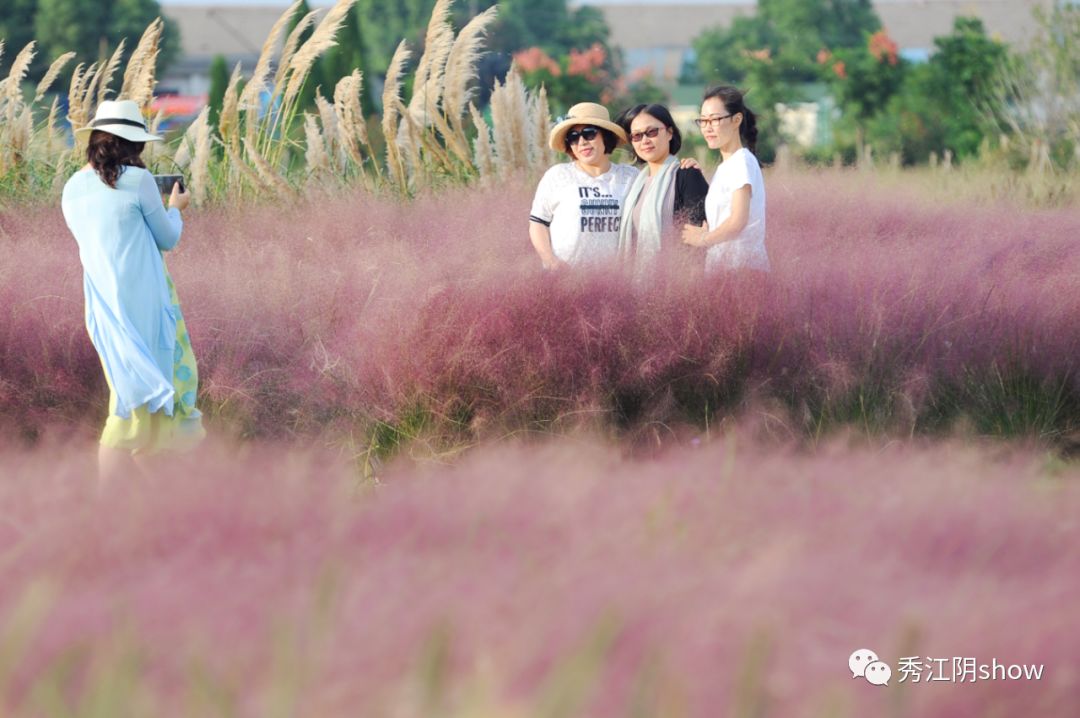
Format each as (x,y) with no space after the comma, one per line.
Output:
(368,317)
(724,570)
(722,579)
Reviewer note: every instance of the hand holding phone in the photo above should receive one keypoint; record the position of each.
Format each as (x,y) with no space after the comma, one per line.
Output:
(165,183)
(178,199)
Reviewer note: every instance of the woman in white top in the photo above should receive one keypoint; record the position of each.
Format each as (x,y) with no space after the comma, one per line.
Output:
(735,206)
(575,216)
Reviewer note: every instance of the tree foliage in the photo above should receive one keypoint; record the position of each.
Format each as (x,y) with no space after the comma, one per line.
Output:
(791,32)
(93,29)
(219,82)
(941,105)
(16,29)
(772,53)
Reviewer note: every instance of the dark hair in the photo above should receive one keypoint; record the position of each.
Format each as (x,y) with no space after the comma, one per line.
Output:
(108,153)
(734,103)
(611,140)
(626,117)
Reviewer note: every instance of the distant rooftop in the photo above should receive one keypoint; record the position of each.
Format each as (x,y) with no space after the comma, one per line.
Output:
(656,35)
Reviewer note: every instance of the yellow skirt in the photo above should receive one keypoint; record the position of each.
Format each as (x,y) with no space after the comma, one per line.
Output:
(146,433)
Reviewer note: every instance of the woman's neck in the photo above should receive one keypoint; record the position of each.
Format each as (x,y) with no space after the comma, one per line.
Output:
(658,165)
(731,148)
(594,170)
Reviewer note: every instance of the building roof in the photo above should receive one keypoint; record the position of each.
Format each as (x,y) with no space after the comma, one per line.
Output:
(915,23)
(642,26)
(662,32)
(235,31)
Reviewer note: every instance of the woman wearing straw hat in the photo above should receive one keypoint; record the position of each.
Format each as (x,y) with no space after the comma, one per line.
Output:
(576,212)
(113,208)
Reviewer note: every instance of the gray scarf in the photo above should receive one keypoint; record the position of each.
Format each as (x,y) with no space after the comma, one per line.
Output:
(652,214)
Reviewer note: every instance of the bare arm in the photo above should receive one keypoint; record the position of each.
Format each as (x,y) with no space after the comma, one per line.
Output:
(729,229)
(540,235)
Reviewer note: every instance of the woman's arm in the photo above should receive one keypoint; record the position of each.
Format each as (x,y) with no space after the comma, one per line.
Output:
(165,226)
(729,229)
(540,235)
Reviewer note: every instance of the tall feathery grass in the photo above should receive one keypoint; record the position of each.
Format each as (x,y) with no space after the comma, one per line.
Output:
(265,144)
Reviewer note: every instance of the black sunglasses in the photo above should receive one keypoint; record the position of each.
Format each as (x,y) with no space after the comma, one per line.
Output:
(585,133)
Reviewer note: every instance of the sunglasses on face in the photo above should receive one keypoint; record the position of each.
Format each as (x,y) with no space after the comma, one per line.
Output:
(585,133)
(651,133)
(715,120)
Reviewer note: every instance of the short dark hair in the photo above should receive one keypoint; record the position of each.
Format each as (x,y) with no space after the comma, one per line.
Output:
(611,140)
(659,112)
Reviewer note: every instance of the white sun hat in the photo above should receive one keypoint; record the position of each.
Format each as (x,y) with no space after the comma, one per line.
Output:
(121,118)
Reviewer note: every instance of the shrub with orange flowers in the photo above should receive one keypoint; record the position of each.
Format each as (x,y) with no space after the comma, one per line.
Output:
(577,76)
(883,48)
(533,59)
(864,78)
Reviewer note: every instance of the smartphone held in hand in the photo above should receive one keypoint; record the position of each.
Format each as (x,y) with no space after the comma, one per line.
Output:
(165,183)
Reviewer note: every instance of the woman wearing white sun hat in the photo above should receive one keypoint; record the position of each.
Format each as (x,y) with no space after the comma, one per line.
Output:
(114,209)
(576,212)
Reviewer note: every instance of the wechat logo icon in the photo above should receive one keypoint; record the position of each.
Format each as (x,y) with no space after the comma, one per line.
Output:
(864,663)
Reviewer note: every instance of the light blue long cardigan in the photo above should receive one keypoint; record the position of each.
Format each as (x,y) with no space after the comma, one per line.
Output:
(130,317)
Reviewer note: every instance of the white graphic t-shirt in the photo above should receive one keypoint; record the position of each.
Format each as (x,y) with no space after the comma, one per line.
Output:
(748,249)
(582,211)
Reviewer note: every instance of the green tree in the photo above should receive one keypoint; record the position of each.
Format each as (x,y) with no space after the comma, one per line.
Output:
(93,29)
(548,24)
(792,31)
(775,53)
(585,27)
(219,82)
(864,80)
(722,53)
(960,83)
(944,103)
(16,30)
(383,23)
(805,27)
(766,89)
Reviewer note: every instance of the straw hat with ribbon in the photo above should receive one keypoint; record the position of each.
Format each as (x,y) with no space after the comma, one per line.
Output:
(121,118)
(583,113)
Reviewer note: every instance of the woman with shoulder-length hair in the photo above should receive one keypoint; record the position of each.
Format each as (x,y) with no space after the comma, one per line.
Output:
(735,205)
(664,196)
(577,208)
(114,209)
